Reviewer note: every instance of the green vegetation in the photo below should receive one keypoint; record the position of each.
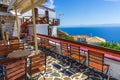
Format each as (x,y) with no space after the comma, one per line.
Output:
(115,46)
(67,37)
(64,35)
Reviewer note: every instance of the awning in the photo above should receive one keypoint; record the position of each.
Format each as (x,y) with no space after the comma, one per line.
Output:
(5,14)
(24,5)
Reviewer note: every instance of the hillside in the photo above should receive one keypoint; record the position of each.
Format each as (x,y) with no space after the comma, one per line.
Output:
(64,35)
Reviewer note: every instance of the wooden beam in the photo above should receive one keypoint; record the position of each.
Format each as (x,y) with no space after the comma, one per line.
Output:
(17,23)
(33,5)
(18,5)
(34,28)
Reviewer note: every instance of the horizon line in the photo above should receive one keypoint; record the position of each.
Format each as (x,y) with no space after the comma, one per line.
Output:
(92,25)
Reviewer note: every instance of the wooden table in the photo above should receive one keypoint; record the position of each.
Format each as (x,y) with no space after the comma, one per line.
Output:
(19,54)
(15,55)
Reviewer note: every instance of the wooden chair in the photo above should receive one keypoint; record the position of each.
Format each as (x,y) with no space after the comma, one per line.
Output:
(3,42)
(65,49)
(37,64)
(14,40)
(75,53)
(14,46)
(17,46)
(30,40)
(2,79)
(41,41)
(4,50)
(46,44)
(21,45)
(96,61)
(16,70)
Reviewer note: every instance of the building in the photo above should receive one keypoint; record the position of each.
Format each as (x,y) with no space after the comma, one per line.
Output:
(7,20)
(94,40)
(81,38)
(75,38)
(46,21)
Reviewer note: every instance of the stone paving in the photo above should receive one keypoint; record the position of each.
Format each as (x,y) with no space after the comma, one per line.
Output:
(54,74)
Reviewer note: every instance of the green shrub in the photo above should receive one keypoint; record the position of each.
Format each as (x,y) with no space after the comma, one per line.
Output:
(67,37)
(114,46)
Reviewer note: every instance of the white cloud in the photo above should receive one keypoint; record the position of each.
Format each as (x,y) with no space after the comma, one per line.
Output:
(113,0)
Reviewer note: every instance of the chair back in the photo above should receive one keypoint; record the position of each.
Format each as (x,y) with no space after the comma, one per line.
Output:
(65,48)
(3,42)
(4,51)
(1,78)
(75,53)
(37,62)
(46,41)
(15,46)
(14,40)
(21,46)
(16,70)
(75,50)
(95,59)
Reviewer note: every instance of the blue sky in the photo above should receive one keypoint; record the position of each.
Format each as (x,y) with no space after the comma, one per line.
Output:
(87,12)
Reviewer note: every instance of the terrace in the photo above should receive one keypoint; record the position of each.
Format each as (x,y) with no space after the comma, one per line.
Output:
(52,58)
(63,60)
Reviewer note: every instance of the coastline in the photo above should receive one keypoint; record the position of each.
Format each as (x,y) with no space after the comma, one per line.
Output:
(111,34)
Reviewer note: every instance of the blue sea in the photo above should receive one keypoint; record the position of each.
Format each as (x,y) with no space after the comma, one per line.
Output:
(111,34)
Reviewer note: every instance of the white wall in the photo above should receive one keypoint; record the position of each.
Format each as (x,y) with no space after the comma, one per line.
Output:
(54,30)
(28,13)
(7,27)
(42,29)
(40,11)
(30,30)
(52,14)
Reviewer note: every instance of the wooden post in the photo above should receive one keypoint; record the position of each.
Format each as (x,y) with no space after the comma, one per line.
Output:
(47,17)
(34,28)
(17,23)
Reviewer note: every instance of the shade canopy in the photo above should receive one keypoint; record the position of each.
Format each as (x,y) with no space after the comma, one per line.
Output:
(24,5)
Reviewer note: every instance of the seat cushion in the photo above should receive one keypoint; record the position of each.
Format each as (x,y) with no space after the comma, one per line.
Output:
(21,78)
(41,68)
(98,66)
(36,70)
(47,45)
(66,53)
(75,56)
